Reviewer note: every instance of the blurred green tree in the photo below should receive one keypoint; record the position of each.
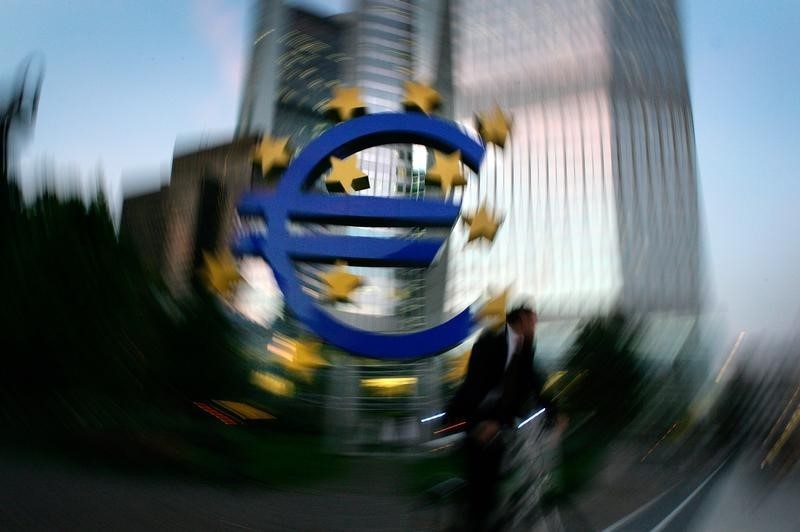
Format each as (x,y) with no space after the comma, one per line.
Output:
(600,393)
(82,322)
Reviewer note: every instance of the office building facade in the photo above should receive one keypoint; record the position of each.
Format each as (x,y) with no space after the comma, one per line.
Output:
(171,228)
(597,182)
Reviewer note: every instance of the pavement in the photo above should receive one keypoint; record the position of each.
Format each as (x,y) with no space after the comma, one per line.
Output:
(35,496)
(629,493)
(729,493)
(746,499)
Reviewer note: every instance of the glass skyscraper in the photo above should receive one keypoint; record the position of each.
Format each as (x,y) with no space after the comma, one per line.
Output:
(597,182)
(297,57)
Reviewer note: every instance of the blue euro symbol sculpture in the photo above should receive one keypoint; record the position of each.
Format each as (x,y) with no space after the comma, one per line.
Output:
(292,201)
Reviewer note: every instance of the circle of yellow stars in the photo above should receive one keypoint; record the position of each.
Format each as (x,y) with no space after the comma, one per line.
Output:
(345,177)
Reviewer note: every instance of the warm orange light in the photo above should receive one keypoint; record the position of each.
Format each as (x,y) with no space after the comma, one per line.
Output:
(390,386)
(450,427)
(272,383)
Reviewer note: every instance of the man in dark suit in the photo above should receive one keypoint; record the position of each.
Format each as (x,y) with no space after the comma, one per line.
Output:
(500,384)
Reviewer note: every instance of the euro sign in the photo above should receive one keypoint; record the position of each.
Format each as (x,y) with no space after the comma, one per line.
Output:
(292,201)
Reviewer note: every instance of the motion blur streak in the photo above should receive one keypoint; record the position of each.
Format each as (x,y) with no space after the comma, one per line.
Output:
(730,357)
(152,380)
(534,416)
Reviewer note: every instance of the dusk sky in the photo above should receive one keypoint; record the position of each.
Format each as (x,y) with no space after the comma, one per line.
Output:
(124,80)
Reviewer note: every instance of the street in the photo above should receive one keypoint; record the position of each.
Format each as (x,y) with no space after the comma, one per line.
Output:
(728,494)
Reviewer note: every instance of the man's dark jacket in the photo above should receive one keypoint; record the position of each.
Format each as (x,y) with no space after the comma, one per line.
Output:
(486,370)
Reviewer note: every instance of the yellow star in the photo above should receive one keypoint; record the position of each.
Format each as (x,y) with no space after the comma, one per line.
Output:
(220,272)
(272,153)
(346,103)
(446,171)
(305,359)
(345,176)
(494,126)
(495,309)
(307,353)
(482,224)
(340,283)
(458,367)
(420,97)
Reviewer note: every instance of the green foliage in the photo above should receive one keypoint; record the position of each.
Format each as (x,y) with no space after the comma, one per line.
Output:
(605,372)
(601,395)
(81,318)
(207,360)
